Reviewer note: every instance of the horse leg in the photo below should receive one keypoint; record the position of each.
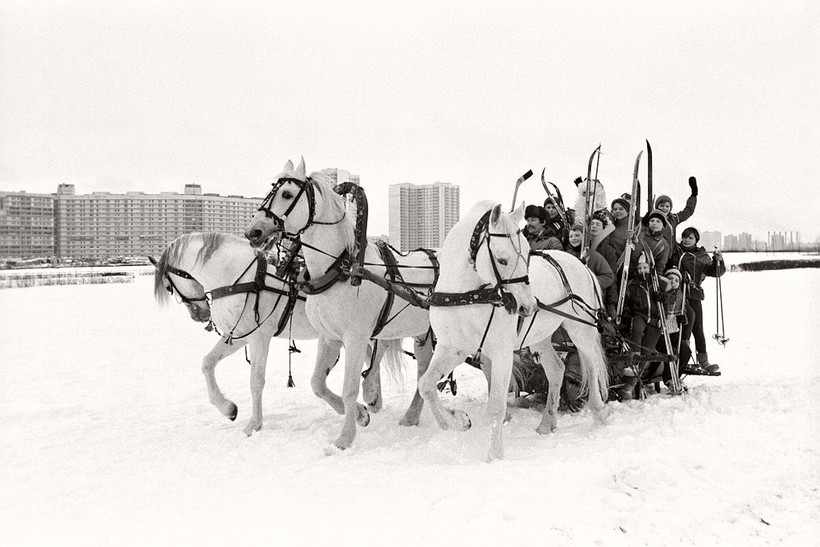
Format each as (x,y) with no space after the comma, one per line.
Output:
(487,368)
(423,349)
(258,347)
(209,362)
(501,357)
(355,350)
(327,353)
(554,370)
(372,384)
(595,378)
(444,360)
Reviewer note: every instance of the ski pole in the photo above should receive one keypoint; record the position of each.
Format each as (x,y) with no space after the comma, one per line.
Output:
(518,183)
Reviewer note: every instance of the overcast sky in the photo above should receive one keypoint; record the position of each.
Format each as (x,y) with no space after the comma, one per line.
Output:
(152,95)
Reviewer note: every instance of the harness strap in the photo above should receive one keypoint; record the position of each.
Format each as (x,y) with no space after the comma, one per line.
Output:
(333,274)
(481,295)
(393,273)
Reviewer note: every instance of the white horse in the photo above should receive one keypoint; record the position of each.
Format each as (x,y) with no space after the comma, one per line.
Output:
(568,296)
(344,315)
(195,264)
(482,288)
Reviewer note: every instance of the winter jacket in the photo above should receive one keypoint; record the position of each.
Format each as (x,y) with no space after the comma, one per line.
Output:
(695,264)
(613,245)
(598,266)
(656,249)
(544,240)
(641,300)
(673,219)
(557,227)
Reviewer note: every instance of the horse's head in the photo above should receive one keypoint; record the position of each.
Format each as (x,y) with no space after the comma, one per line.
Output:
(171,281)
(288,207)
(504,260)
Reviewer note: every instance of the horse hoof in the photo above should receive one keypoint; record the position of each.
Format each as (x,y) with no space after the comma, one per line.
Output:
(409,421)
(250,428)
(232,412)
(375,405)
(363,417)
(462,420)
(544,429)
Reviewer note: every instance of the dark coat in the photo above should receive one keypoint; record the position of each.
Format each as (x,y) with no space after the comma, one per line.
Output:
(544,240)
(695,264)
(673,219)
(641,300)
(656,249)
(598,266)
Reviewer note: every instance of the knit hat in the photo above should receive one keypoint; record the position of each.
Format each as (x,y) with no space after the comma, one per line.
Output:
(691,231)
(654,214)
(577,228)
(660,199)
(623,200)
(673,271)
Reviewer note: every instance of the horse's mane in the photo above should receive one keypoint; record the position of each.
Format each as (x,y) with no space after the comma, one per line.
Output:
(335,203)
(172,254)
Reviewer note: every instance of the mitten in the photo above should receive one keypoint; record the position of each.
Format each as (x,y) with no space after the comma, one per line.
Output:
(693,184)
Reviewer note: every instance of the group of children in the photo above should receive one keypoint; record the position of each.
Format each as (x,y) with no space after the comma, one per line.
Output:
(663,290)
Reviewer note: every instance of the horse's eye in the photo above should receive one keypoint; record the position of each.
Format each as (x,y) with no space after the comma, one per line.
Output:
(502,261)
(286,194)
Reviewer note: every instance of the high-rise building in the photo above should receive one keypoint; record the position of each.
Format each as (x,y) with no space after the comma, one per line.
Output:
(338,176)
(26,225)
(710,240)
(421,215)
(103,225)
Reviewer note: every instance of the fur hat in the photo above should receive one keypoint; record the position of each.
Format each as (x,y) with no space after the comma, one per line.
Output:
(623,200)
(535,211)
(673,271)
(656,213)
(693,231)
(660,199)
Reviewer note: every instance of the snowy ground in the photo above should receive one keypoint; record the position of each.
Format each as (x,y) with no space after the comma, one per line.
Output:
(107,437)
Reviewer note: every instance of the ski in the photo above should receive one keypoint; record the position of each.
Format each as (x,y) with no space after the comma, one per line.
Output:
(556,201)
(630,233)
(650,204)
(677,387)
(589,202)
(518,183)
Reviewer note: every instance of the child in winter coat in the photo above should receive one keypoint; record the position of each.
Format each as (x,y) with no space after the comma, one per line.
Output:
(595,261)
(675,318)
(664,204)
(695,264)
(651,243)
(644,318)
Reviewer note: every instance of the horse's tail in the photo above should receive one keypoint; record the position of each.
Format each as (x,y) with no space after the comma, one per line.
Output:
(393,358)
(594,367)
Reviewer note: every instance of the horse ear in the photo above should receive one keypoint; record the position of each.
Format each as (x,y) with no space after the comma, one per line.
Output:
(288,167)
(300,169)
(518,214)
(153,261)
(495,214)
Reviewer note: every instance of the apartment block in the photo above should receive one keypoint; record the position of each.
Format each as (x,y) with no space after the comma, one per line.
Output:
(422,215)
(26,225)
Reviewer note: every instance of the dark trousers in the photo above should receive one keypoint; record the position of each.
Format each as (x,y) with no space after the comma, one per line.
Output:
(694,324)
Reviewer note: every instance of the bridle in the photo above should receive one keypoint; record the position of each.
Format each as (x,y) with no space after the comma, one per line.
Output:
(172,286)
(305,187)
(481,234)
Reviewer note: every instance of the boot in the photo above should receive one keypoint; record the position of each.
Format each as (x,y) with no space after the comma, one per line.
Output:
(627,392)
(703,362)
